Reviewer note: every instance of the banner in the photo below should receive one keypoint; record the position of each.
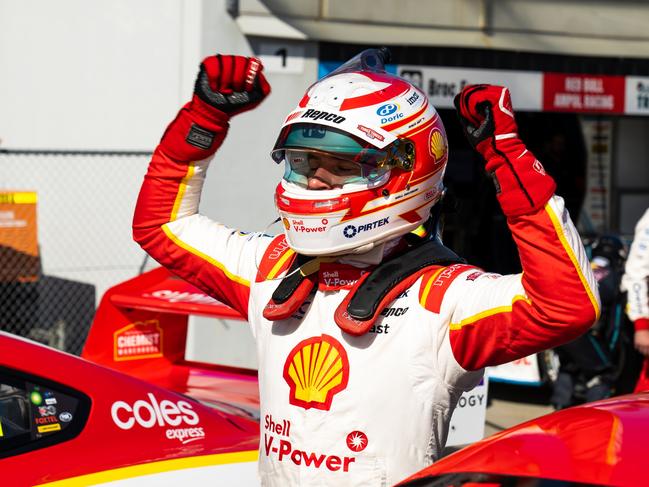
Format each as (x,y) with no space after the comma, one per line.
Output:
(583,93)
(19,257)
(532,91)
(442,84)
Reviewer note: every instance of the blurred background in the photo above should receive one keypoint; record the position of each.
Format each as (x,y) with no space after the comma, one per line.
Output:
(87,88)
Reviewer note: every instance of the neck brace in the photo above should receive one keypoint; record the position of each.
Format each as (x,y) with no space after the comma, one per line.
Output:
(370,294)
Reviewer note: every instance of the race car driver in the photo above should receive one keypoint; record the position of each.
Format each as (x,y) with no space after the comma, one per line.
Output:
(634,282)
(368,329)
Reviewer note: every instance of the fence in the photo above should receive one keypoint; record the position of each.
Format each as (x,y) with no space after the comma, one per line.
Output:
(80,218)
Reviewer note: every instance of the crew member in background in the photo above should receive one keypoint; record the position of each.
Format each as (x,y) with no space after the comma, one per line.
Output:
(634,282)
(368,329)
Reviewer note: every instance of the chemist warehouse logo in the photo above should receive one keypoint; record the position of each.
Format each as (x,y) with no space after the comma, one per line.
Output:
(139,340)
(350,231)
(316,370)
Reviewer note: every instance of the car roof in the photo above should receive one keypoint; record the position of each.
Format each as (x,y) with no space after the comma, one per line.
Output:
(601,443)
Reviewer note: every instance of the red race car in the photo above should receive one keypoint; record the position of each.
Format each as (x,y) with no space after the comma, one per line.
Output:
(600,443)
(68,421)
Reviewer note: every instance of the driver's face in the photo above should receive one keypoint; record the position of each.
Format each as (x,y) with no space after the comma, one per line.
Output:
(327,172)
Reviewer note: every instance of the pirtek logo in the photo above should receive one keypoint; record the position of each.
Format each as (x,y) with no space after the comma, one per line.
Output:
(321,115)
(350,231)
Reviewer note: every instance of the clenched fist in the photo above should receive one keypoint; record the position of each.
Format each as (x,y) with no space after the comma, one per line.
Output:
(231,84)
(226,85)
(487,117)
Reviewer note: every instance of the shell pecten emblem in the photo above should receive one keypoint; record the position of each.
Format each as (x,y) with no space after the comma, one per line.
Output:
(437,145)
(316,370)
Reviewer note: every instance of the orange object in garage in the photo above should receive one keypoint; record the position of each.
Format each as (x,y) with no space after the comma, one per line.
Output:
(19,256)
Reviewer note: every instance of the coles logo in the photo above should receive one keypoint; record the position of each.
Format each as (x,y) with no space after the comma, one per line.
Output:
(357,441)
(152,413)
(316,370)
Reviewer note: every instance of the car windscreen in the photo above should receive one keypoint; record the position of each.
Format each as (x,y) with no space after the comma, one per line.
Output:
(479,479)
(35,413)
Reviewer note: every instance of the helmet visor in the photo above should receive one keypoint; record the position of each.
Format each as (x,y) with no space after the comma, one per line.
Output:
(305,148)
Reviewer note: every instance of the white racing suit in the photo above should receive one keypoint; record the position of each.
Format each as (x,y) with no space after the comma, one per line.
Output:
(367,410)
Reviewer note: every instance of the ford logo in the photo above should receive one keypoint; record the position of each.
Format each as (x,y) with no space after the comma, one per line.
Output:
(387,109)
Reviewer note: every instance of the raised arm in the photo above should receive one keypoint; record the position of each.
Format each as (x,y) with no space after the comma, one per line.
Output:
(495,319)
(218,260)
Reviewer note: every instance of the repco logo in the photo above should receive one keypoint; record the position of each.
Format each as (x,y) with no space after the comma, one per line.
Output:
(322,115)
(387,312)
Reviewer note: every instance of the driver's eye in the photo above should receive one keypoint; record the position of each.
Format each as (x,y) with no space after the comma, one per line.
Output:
(346,169)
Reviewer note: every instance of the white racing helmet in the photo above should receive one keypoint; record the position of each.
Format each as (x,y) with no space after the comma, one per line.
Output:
(381,122)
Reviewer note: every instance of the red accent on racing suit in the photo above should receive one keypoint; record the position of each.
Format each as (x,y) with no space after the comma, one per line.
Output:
(394,387)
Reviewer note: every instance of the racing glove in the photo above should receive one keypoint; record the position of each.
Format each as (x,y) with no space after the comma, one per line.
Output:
(225,86)
(487,117)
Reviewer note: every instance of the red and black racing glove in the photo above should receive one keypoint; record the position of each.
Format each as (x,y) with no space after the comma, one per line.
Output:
(487,116)
(225,86)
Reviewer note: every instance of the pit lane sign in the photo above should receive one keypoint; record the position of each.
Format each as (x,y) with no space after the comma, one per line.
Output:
(637,96)
(531,91)
(442,84)
(583,93)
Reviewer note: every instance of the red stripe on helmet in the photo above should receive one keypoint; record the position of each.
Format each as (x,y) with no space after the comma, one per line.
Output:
(411,216)
(391,126)
(305,99)
(395,87)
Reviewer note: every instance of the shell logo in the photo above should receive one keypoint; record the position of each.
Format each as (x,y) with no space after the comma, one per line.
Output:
(437,145)
(316,370)
(287,225)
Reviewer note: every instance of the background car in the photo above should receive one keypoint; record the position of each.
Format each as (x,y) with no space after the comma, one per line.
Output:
(64,419)
(600,443)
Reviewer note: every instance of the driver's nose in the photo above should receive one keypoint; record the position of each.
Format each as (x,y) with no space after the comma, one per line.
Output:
(320,180)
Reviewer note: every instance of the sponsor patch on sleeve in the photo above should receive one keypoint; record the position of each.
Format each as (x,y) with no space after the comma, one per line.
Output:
(437,281)
(200,137)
